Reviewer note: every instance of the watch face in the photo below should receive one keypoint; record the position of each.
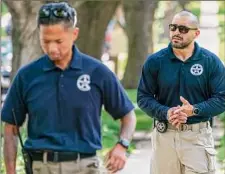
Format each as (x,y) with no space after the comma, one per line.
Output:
(124,142)
(196,111)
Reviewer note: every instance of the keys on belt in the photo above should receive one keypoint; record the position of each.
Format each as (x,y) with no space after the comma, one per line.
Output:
(54,156)
(162,126)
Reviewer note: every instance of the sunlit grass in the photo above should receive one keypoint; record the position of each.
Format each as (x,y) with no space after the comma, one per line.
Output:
(110,127)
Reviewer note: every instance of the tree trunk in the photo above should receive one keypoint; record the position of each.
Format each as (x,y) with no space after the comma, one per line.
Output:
(139,17)
(170,11)
(150,30)
(25,40)
(93,19)
(169,14)
(183,4)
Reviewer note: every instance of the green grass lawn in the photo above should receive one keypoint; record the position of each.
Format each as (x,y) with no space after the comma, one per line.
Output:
(221,150)
(110,127)
(144,122)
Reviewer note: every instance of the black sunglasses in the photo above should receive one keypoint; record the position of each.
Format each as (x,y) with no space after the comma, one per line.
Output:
(58,10)
(182,29)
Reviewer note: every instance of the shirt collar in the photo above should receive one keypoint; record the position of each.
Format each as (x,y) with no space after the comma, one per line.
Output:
(76,61)
(48,64)
(195,55)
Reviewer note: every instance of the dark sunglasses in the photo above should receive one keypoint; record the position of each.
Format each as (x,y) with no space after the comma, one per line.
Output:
(182,29)
(59,10)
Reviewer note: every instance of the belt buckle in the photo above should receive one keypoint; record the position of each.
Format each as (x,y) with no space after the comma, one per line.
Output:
(55,156)
(161,126)
(183,127)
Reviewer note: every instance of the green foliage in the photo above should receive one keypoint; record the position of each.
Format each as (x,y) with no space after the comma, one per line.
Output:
(19,162)
(221,7)
(2,32)
(221,151)
(132,94)
(222,51)
(4,8)
(110,127)
(194,7)
(122,62)
(110,132)
(144,122)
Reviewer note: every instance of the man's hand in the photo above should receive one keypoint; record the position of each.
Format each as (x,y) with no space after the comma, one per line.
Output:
(176,118)
(170,113)
(180,114)
(116,158)
(186,107)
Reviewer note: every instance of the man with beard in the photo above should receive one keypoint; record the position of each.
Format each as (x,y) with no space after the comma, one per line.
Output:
(63,93)
(182,87)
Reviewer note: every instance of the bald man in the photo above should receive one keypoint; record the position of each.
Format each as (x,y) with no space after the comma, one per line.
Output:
(182,87)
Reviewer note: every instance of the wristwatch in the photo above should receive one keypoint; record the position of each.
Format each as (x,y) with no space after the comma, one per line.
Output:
(195,111)
(124,142)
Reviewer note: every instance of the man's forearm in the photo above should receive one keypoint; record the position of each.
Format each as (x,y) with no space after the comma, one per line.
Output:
(10,148)
(213,106)
(151,106)
(128,124)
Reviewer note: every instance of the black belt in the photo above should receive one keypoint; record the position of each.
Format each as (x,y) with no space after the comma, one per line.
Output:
(59,156)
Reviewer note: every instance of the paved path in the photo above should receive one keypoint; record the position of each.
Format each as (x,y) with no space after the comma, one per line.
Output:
(138,162)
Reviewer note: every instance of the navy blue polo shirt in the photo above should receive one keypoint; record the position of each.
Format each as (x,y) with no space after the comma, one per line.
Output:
(200,79)
(64,106)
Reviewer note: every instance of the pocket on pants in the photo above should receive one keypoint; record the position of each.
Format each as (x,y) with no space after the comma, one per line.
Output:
(93,165)
(91,162)
(211,155)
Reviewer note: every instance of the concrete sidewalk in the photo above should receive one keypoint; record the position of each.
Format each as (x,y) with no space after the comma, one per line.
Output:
(139,161)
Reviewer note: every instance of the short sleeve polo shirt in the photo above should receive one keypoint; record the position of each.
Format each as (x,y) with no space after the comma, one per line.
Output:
(64,106)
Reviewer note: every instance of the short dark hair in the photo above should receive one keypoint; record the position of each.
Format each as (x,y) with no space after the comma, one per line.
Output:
(56,13)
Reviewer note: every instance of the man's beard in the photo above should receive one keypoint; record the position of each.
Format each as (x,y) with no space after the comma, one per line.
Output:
(181,45)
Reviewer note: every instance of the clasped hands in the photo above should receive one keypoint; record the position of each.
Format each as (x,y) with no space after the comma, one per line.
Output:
(179,114)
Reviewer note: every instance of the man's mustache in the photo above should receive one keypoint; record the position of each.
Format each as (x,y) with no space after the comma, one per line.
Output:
(176,36)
